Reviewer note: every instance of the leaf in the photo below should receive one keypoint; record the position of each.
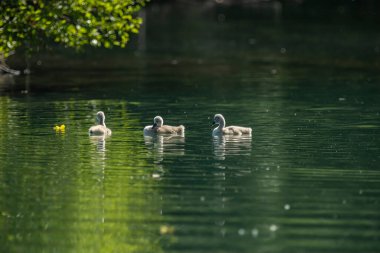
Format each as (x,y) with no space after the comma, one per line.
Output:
(70,23)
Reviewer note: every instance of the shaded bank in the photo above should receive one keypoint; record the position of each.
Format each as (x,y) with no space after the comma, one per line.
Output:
(185,38)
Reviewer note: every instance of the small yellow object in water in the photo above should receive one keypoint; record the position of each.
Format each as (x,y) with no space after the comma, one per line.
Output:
(164,230)
(60,128)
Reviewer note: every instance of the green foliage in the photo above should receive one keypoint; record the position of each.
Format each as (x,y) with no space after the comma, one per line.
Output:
(72,23)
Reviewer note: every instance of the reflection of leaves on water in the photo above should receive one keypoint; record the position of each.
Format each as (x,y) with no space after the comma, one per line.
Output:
(162,145)
(225,145)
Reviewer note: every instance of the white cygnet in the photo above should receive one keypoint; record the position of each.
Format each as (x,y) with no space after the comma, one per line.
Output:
(158,127)
(230,130)
(101,128)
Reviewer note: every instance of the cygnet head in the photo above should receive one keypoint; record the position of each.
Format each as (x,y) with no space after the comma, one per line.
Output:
(219,119)
(158,121)
(100,117)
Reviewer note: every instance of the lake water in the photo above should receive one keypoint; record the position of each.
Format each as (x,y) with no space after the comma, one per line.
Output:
(307,181)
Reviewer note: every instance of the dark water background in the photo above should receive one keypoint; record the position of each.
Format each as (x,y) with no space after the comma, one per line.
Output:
(307,181)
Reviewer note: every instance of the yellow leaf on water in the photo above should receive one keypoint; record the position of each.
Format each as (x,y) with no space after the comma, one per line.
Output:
(165,230)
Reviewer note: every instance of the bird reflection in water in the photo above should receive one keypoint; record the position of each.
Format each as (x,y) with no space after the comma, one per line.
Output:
(99,142)
(99,157)
(161,145)
(98,163)
(229,145)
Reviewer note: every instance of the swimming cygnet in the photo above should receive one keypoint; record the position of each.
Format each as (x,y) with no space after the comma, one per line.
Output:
(233,130)
(101,128)
(159,127)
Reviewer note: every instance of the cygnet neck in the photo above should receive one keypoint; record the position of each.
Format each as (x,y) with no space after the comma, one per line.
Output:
(222,123)
(101,122)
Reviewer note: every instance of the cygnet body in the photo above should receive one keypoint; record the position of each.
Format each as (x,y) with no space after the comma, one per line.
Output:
(100,128)
(158,127)
(230,130)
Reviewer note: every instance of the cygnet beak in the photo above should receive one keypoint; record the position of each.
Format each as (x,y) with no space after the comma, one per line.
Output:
(154,125)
